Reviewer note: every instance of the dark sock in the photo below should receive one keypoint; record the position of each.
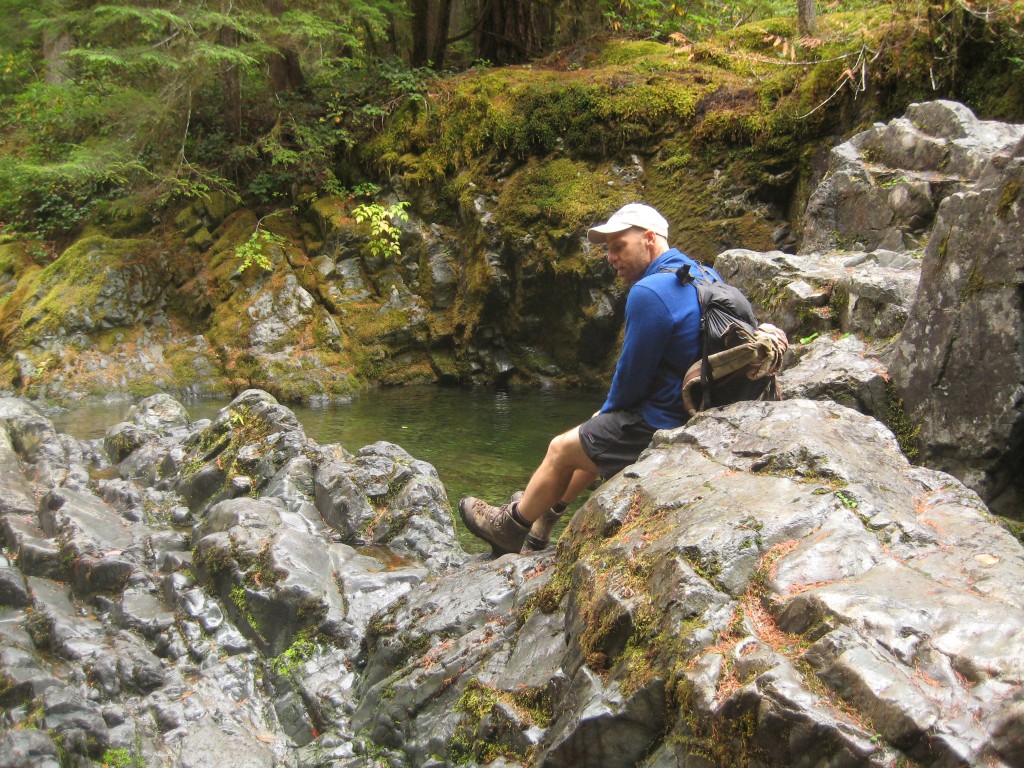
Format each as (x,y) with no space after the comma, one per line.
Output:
(559,508)
(514,510)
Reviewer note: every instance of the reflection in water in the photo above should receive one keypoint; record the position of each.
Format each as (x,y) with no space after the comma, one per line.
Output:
(482,442)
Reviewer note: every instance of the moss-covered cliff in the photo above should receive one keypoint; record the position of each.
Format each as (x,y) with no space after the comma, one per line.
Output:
(505,169)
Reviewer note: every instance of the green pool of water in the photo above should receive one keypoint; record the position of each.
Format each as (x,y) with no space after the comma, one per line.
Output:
(482,442)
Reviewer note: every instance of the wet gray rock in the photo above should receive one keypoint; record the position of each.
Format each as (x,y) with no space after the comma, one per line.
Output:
(28,749)
(442,269)
(911,243)
(869,294)
(278,314)
(239,635)
(841,370)
(717,598)
(433,660)
(958,364)
(884,186)
(96,542)
(32,437)
(75,721)
(773,581)
(411,513)
(13,590)
(161,413)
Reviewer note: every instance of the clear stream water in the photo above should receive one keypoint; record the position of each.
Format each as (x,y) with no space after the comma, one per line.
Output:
(482,442)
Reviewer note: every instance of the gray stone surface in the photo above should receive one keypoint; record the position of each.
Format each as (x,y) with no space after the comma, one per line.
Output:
(884,186)
(959,364)
(772,584)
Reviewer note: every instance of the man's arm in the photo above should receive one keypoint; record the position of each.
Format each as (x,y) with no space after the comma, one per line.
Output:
(648,330)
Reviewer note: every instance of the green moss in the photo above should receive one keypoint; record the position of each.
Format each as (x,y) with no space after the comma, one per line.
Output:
(1016,527)
(236,230)
(899,421)
(72,283)
(215,561)
(839,303)
(1008,197)
(975,284)
(620,52)
(705,564)
(15,258)
(122,758)
(551,202)
(725,741)
(239,598)
(305,646)
(476,703)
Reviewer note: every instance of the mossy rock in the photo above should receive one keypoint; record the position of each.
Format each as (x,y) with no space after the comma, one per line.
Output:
(46,297)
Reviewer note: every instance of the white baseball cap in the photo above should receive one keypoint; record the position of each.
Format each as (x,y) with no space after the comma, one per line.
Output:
(632,215)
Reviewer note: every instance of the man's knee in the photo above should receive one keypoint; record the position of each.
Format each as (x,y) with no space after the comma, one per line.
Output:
(566,451)
(563,445)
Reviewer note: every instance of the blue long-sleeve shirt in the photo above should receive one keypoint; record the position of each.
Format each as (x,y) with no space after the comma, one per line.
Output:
(662,324)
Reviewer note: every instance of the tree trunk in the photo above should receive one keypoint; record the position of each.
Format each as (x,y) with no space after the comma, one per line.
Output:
(285,73)
(231,87)
(513,31)
(55,45)
(807,18)
(430,20)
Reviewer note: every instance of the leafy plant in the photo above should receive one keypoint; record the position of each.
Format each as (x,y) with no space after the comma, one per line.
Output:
(122,758)
(846,499)
(384,235)
(254,250)
(304,647)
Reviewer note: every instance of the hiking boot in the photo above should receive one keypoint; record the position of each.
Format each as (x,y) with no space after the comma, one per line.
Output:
(540,532)
(493,524)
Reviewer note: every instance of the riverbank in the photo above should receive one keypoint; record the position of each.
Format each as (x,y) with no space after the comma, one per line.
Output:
(482,442)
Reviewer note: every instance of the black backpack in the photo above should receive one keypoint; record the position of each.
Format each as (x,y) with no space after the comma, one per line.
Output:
(740,358)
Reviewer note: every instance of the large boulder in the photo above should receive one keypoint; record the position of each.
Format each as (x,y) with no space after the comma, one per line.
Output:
(869,294)
(959,364)
(884,186)
(772,583)
(913,235)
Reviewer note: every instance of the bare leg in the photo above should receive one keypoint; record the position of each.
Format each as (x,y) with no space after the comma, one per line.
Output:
(566,468)
(581,480)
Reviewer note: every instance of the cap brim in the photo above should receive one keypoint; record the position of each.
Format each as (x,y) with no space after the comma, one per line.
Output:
(600,234)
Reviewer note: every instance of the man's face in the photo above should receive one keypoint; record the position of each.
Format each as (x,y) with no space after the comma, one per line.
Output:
(628,254)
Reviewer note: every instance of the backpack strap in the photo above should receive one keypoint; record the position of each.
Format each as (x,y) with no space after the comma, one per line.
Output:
(686,277)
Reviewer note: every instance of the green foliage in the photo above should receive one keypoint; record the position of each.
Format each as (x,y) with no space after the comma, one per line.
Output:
(168,102)
(846,499)
(695,19)
(122,758)
(304,647)
(153,103)
(384,235)
(254,250)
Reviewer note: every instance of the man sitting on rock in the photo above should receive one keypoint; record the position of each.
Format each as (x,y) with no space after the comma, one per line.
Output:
(662,338)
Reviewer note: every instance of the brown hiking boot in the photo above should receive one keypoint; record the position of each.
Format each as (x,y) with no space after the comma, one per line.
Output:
(493,524)
(540,533)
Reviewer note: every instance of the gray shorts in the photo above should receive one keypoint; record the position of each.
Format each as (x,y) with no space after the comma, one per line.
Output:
(615,439)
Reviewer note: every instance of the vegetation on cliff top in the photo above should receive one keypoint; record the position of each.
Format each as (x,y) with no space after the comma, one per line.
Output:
(115,111)
(250,138)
